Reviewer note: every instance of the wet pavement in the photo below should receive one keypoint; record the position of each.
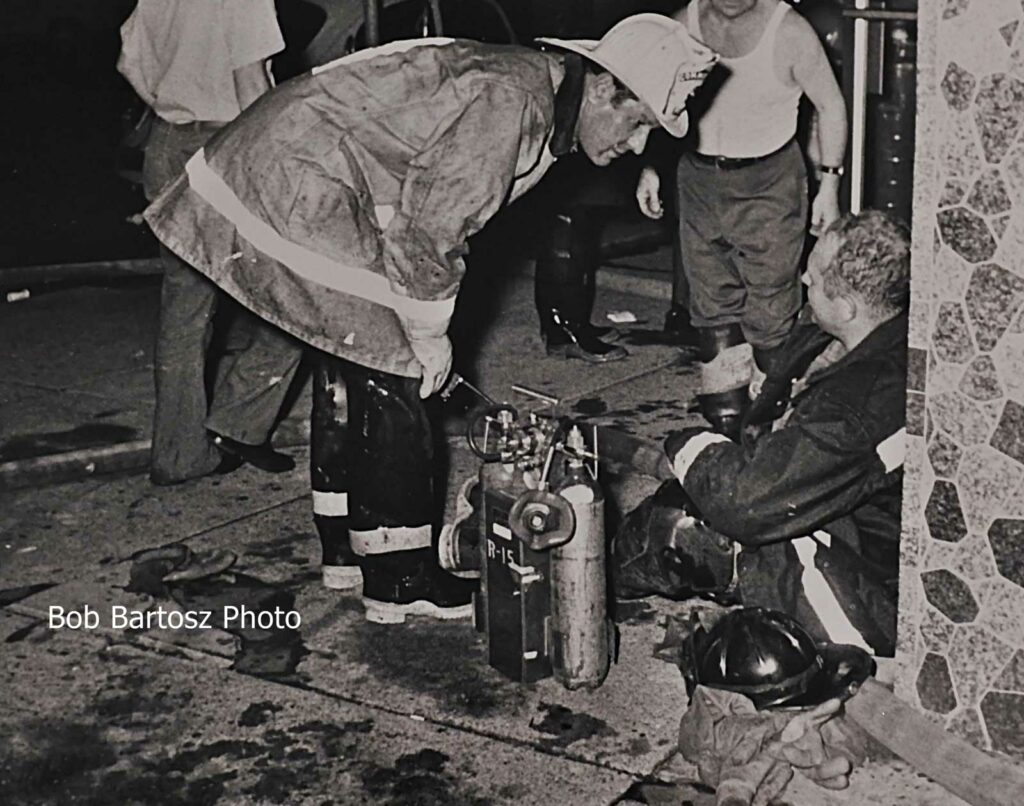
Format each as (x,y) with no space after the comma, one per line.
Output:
(284,694)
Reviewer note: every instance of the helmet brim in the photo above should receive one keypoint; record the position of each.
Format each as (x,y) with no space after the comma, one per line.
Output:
(675,126)
(843,668)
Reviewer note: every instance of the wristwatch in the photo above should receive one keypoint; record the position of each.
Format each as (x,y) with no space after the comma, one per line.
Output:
(835,170)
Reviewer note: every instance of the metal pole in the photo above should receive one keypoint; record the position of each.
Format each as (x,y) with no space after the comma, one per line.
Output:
(858,113)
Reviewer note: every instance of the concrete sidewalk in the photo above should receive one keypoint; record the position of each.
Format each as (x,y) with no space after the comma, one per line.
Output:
(338,710)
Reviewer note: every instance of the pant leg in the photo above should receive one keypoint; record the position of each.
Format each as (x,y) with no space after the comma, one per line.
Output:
(253,383)
(181,449)
(565,269)
(768,228)
(716,290)
(680,284)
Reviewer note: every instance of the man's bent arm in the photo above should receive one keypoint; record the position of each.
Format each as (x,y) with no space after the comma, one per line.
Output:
(818,467)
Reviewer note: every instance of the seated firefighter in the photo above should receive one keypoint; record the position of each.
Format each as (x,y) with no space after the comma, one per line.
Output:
(806,519)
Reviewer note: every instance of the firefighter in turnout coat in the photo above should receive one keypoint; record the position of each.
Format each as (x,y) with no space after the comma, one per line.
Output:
(813,507)
(338,208)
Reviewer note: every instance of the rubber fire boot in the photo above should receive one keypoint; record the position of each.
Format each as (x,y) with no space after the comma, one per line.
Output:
(563,292)
(328,476)
(411,583)
(391,474)
(726,365)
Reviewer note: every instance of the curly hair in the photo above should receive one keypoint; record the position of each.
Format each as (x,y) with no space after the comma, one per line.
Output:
(872,261)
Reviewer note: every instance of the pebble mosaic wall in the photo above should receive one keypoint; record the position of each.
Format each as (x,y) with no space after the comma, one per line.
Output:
(961,638)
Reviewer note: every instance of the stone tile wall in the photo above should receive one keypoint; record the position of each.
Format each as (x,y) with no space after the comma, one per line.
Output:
(961,642)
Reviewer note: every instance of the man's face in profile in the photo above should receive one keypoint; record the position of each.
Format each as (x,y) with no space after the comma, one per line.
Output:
(824,308)
(611,126)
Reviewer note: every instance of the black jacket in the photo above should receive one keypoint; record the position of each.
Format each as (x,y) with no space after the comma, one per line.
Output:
(832,470)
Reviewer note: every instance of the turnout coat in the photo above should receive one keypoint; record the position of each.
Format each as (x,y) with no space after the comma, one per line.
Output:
(815,504)
(338,205)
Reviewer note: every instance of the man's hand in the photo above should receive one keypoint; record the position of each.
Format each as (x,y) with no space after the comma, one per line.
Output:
(648,194)
(435,357)
(825,207)
(428,340)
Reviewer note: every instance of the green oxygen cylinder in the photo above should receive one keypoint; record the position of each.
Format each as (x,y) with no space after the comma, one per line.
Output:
(580,634)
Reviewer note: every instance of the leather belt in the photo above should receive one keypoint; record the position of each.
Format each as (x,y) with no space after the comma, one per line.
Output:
(732,163)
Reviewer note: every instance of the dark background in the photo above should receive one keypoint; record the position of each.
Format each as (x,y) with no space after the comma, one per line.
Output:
(66,189)
(62,100)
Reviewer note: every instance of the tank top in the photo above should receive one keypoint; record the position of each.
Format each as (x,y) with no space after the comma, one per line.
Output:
(753,113)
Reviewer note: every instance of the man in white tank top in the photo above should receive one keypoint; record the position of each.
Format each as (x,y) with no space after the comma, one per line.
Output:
(742,192)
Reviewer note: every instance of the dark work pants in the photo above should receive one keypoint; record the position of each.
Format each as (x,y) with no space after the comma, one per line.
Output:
(741,239)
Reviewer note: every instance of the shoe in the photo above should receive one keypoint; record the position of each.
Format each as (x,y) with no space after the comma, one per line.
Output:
(571,341)
(603,332)
(229,463)
(262,456)
(411,583)
(678,327)
(593,351)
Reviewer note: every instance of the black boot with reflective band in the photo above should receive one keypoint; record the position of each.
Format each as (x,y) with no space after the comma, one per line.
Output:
(340,567)
(411,583)
(328,473)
